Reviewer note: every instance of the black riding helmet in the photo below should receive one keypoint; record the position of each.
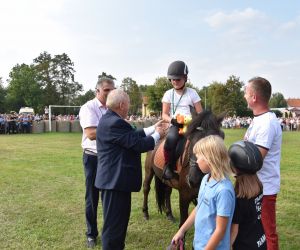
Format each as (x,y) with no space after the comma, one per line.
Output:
(246,157)
(177,69)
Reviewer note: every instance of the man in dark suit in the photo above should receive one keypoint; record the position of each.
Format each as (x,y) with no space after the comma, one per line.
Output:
(119,172)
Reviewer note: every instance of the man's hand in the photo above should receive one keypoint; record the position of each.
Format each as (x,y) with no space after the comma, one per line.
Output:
(165,125)
(159,123)
(161,130)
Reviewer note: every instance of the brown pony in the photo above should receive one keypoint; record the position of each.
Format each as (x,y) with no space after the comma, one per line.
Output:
(203,124)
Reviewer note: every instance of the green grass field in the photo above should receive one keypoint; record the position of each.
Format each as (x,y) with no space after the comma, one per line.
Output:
(42,196)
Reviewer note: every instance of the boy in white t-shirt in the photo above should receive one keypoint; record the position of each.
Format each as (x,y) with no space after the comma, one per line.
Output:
(177,100)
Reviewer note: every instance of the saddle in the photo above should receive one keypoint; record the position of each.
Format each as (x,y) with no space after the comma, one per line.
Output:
(181,155)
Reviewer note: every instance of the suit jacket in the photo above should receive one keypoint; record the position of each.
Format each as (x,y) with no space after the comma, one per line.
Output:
(119,149)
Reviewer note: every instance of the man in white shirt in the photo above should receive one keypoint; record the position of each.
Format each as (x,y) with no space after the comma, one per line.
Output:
(90,115)
(266,133)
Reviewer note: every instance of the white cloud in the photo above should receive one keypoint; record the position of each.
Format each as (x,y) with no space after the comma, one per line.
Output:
(290,28)
(239,28)
(236,19)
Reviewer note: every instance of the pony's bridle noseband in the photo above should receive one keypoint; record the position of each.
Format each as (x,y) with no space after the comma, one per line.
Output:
(200,128)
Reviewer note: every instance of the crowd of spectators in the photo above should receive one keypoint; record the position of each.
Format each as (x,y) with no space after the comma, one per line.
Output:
(14,123)
(142,118)
(290,124)
(236,122)
(287,124)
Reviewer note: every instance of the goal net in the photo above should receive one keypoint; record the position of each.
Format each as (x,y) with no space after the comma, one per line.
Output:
(57,106)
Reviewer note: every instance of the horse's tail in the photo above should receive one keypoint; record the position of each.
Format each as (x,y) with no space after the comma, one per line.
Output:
(160,193)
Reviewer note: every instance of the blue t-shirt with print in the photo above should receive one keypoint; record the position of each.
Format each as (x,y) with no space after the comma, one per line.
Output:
(214,198)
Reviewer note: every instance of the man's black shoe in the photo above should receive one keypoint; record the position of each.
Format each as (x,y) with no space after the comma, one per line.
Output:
(167,173)
(91,242)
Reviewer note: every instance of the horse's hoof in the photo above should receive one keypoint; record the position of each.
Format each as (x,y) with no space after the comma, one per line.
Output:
(171,218)
(146,217)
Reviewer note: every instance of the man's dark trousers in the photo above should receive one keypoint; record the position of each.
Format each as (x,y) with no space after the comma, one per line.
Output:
(91,194)
(116,213)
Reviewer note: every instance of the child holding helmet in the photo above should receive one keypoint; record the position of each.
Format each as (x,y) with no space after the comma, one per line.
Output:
(247,232)
(177,100)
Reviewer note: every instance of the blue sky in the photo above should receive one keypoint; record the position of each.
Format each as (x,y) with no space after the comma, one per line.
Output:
(139,38)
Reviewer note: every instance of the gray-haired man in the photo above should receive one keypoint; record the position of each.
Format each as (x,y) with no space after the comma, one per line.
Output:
(90,115)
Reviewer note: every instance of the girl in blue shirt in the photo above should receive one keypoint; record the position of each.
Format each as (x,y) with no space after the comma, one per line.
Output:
(216,199)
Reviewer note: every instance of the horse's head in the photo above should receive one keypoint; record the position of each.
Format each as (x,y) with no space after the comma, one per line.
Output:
(203,124)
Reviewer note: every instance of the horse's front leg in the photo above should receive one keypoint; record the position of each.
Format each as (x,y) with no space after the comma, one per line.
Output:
(149,173)
(184,201)
(168,204)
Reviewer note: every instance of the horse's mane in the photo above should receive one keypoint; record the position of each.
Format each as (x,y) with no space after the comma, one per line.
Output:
(204,124)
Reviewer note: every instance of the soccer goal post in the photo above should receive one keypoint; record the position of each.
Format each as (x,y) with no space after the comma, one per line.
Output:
(57,106)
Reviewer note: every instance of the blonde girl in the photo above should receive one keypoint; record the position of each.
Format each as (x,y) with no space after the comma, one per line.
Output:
(216,200)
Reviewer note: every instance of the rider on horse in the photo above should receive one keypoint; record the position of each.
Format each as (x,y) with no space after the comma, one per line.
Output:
(176,101)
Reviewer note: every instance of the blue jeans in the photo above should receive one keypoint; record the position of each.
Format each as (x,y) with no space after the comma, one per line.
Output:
(91,194)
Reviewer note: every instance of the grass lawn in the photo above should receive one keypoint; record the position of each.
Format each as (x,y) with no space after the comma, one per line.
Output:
(42,196)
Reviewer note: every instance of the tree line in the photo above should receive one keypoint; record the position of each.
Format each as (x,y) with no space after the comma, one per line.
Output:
(50,80)
(227,98)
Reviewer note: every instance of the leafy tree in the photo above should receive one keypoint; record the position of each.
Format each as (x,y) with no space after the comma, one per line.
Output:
(63,76)
(82,99)
(49,80)
(205,100)
(56,76)
(44,66)
(2,97)
(143,88)
(213,96)
(217,93)
(277,101)
(23,88)
(228,97)
(235,101)
(132,89)
(155,93)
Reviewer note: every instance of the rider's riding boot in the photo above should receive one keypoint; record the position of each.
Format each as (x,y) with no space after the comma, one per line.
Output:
(168,172)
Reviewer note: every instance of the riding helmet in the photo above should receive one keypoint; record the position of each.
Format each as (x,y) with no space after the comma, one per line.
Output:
(177,69)
(246,157)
